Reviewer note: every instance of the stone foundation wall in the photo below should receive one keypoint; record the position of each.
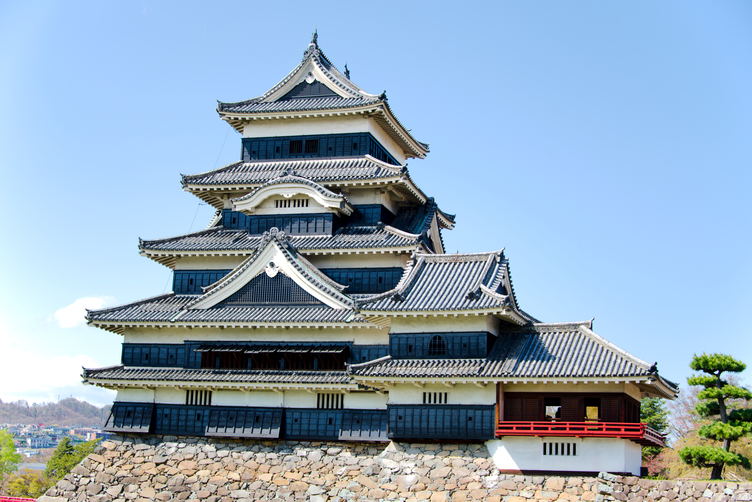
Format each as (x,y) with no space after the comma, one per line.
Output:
(171,468)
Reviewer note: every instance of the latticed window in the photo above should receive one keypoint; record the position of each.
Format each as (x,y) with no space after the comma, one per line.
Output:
(437,346)
(435,397)
(330,401)
(198,397)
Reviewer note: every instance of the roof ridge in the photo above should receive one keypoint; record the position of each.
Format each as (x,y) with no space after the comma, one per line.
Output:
(184,177)
(182,236)
(131,304)
(397,231)
(368,363)
(448,257)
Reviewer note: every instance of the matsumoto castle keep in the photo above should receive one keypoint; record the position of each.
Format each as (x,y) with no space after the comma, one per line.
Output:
(319,304)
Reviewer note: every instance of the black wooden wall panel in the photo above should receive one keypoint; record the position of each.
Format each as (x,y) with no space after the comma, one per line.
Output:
(130,417)
(313,424)
(154,354)
(294,224)
(458,422)
(190,282)
(365,280)
(327,145)
(458,345)
(364,353)
(363,425)
(224,421)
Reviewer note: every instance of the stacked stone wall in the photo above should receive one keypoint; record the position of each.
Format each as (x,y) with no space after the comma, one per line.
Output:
(177,468)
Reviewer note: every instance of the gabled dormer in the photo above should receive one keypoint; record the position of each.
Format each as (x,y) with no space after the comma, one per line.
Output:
(316,96)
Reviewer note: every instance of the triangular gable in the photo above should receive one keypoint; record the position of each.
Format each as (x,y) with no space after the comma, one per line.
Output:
(267,289)
(314,89)
(318,72)
(274,256)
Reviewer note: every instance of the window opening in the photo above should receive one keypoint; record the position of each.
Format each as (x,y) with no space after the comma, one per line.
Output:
(553,408)
(437,346)
(312,146)
(330,401)
(296,146)
(592,409)
(435,397)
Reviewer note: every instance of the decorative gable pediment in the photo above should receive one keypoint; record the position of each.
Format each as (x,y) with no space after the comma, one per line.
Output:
(274,275)
(292,191)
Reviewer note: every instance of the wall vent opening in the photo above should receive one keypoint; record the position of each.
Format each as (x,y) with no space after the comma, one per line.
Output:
(435,397)
(198,397)
(560,449)
(330,401)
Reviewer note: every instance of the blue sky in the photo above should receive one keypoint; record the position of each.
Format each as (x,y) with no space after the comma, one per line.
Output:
(605,145)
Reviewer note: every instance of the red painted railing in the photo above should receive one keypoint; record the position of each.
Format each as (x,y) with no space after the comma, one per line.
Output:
(639,433)
(15,499)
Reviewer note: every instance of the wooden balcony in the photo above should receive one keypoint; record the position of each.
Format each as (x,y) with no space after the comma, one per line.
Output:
(639,433)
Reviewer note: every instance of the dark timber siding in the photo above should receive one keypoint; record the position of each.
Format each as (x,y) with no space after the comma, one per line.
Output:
(130,417)
(227,421)
(363,425)
(614,407)
(155,354)
(190,282)
(326,145)
(426,345)
(457,422)
(365,280)
(294,224)
(364,353)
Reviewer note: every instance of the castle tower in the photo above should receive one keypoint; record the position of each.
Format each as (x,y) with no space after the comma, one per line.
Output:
(319,304)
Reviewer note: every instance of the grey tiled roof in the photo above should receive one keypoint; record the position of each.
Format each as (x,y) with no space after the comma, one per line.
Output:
(170,308)
(569,350)
(298,105)
(319,170)
(120,373)
(449,282)
(349,237)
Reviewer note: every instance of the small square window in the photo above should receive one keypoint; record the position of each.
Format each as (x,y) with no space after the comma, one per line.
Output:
(296,146)
(553,408)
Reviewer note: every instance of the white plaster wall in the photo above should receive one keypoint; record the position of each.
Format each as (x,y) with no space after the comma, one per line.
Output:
(459,394)
(169,396)
(299,399)
(365,401)
(370,336)
(441,324)
(208,262)
(268,206)
(593,455)
(359,260)
(304,127)
(372,196)
(386,141)
(135,395)
(632,391)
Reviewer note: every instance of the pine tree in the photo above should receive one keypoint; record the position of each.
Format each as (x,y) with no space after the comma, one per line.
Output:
(653,413)
(727,425)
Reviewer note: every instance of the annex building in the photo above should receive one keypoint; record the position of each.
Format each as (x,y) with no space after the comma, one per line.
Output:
(319,304)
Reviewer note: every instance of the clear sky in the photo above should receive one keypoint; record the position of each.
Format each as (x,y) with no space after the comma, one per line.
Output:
(605,145)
